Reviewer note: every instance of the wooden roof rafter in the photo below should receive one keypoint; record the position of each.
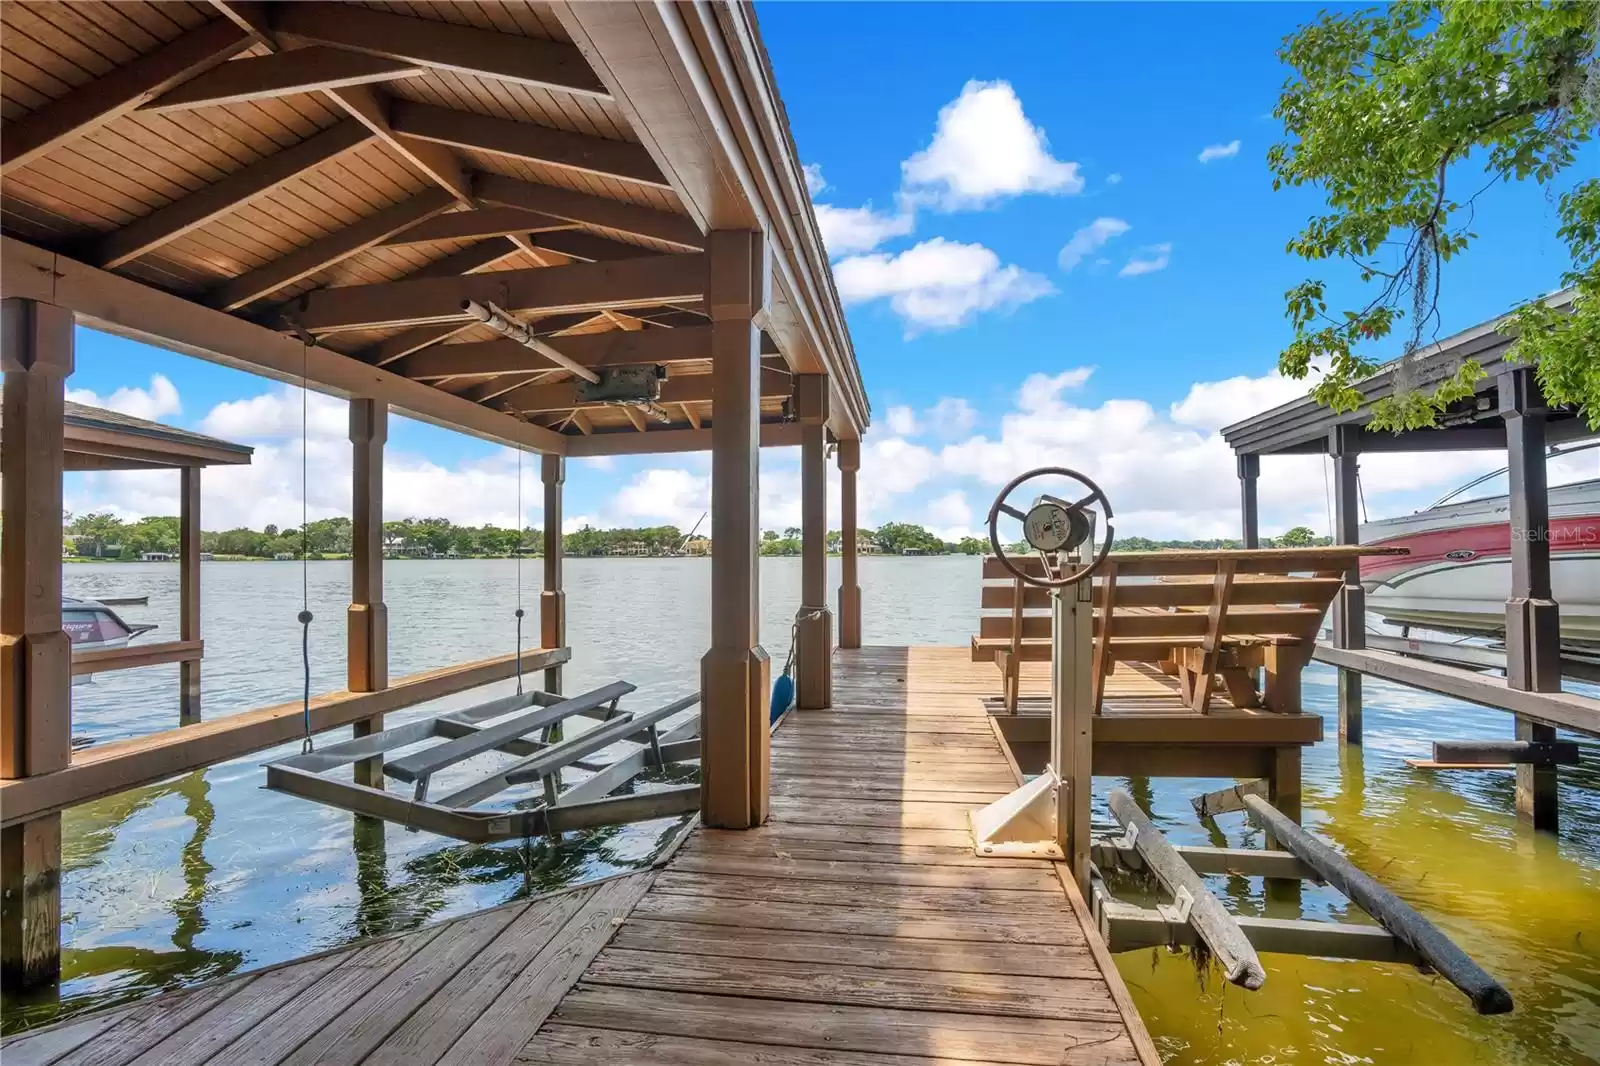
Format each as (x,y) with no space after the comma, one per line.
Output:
(320,166)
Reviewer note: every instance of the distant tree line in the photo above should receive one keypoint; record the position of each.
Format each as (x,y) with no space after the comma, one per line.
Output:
(105,536)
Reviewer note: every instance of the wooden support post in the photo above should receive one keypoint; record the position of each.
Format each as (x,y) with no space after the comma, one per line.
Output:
(1249,510)
(849,583)
(734,672)
(36,354)
(1350,608)
(1533,622)
(553,600)
(189,591)
(813,621)
(368,617)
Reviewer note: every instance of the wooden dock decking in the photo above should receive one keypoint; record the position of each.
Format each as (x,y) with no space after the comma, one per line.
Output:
(856,928)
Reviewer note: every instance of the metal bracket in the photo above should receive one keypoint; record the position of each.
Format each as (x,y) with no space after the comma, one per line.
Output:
(1178,910)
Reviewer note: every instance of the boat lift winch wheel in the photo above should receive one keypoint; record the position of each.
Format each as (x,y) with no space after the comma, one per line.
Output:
(1052,526)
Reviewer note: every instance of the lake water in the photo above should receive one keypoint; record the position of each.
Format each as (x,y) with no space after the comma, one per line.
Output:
(210,874)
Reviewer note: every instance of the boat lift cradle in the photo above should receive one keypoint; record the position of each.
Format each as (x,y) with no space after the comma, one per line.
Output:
(1048,816)
(466,733)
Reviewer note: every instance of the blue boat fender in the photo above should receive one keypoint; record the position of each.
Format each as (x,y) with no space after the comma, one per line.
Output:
(782,695)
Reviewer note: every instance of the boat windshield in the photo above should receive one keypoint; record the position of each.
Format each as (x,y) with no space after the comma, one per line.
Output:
(1564,466)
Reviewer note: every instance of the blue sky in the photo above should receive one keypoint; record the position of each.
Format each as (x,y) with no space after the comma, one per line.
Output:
(959,150)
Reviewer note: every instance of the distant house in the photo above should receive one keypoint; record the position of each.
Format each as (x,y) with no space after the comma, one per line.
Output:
(284,557)
(912,551)
(206,557)
(868,546)
(157,557)
(697,546)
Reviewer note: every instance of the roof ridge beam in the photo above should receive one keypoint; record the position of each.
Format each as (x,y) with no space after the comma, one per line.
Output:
(643,282)
(598,156)
(465,49)
(304,70)
(332,248)
(117,92)
(168,223)
(646,222)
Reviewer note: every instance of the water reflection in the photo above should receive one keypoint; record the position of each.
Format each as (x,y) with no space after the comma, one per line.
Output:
(209,874)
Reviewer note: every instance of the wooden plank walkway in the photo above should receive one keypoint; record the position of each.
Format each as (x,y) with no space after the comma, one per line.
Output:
(856,929)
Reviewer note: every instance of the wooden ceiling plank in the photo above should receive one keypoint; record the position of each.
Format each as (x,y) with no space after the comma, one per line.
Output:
(121,90)
(696,388)
(483,222)
(528,60)
(581,420)
(590,210)
(326,251)
(468,259)
(690,415)
(303,70)
(174,220)
(621,160)
(578,244)
(639,282)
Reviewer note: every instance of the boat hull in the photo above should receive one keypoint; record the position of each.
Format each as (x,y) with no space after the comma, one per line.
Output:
(1457,576)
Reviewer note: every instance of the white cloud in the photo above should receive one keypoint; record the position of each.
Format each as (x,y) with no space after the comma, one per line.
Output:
(815,182)
(1090,238)
(278,414)
(1147,261)
(846,230)
(663,496)
(1214,404)
(952,416)
(902,421)
(1042,391)
(1219,151)
(938,284)
(1113,179)
(158,401)
(984,148)
(950,516)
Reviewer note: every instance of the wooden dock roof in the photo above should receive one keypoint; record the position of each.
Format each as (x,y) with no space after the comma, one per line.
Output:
(97,439)
(311,190)
(1304,425)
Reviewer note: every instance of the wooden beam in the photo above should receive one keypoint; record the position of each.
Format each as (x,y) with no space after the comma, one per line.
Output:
(141,312)
(529,61)
(95,103)
(36,357)
(597,156)
(438,163)
(189,591)
(735,672)
(592,350)
(590,210)
(849,460)
(367,620)
(646,281)
(304,70)
(690,415)
(813,620)
(668,441)
(174,220)
(689,388)
(553,595)
(469,259)
(482,222)
(107,769)
(330,249)
(578,244)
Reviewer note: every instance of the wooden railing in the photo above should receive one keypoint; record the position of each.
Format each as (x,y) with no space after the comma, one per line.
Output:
(130,656)
(104,770)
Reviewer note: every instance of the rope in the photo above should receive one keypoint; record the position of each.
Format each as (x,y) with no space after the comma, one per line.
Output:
(306,746)
(803,615)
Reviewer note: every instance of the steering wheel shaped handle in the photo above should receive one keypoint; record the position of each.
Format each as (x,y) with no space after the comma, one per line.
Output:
(1050,526)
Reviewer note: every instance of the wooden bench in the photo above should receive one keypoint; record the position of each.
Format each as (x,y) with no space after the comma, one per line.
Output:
(1213,618)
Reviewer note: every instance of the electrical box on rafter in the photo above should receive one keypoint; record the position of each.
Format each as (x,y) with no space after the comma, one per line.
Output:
(637,385)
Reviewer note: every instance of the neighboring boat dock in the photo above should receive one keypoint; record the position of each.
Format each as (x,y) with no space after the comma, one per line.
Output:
(1508,412)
